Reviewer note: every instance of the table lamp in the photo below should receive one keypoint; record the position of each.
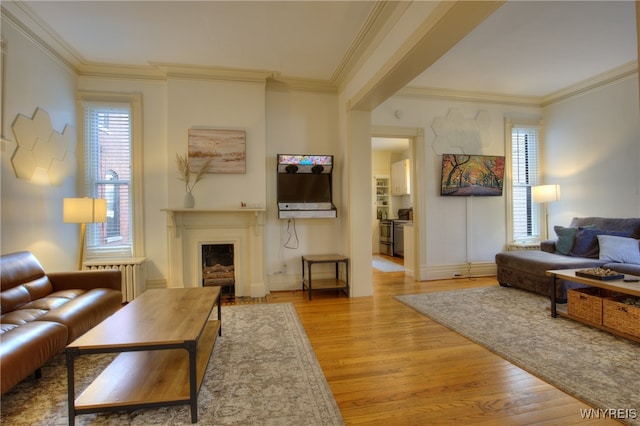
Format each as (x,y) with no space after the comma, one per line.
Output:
(83,211)
(544,194)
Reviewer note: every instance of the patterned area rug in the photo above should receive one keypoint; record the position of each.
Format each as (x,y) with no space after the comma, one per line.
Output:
(601,369)
(262,372)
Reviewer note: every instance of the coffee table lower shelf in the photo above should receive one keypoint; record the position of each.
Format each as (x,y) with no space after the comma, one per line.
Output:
(561,312)
(618,286)
(148,378)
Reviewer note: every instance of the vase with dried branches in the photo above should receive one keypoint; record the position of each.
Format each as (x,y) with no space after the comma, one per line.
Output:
(190,178)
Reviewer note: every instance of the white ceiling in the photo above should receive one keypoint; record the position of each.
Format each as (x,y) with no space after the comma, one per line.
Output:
(304,39)
(527,48)
(536,48)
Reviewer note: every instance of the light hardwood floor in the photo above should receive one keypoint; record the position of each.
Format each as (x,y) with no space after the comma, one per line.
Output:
(387,364)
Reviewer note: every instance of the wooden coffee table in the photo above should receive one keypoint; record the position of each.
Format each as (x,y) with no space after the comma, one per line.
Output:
(165,338)
(619,286)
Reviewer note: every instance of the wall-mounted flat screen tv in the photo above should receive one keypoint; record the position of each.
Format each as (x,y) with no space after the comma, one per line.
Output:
(304,188)
(472,175)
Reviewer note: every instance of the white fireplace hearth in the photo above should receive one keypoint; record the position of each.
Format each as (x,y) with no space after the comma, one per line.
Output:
(189,229)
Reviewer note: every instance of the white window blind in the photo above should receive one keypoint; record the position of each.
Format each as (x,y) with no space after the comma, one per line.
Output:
(524,174)
(108,167)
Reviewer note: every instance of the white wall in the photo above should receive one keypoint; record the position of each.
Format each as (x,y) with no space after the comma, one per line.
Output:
(218,105)
(593,152)
(275,122)
(169,109)
(32,213)
(455,232)
(299,123)
(157,167)
(591,148)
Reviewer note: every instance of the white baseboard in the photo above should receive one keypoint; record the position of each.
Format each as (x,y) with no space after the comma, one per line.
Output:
(156,284)
(462,270)
(281,282)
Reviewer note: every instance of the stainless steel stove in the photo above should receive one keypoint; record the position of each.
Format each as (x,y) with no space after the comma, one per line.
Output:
(386,237)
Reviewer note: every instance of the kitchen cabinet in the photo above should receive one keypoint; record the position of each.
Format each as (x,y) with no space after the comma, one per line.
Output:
(400,178)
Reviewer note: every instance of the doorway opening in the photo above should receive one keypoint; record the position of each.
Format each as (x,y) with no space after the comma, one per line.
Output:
(391,163)
(390,147)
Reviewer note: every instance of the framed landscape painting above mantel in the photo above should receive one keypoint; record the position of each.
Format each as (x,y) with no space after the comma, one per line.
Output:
(226,148)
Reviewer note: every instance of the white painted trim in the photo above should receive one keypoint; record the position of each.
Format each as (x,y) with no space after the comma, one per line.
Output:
(467,270)
(137,141)
(602,80)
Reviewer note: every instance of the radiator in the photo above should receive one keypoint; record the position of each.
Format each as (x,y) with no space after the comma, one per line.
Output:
(523,246)
(133,270)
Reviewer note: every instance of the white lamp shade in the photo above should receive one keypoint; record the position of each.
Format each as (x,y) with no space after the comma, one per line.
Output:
(99,210)
(84,210)
(545,193)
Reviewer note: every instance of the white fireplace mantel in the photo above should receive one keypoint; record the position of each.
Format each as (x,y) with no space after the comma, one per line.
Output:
(189,229)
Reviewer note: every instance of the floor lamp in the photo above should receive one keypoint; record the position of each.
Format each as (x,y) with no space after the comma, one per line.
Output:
(544,194)
(83,211)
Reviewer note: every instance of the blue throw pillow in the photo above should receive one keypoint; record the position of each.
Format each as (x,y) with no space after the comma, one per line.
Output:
(619,249)
(586,244)
(566,238)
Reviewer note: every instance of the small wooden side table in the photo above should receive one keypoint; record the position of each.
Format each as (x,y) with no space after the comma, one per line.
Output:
(325,283)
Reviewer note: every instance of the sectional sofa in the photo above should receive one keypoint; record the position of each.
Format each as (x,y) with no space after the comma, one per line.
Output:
(587,242)
(42,313)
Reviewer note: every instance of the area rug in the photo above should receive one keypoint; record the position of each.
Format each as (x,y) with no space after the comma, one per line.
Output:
(384,265)
(594,366)
(262,372)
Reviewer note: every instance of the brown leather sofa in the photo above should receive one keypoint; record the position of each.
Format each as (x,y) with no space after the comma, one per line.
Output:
(42,313)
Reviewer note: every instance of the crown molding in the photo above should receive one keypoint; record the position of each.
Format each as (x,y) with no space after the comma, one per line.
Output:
(19,16)
(163,72)
(445,26)
(625,71)
(466,96)
(130,72)
(285,84)
(620,73)
(196,72)
(379,22)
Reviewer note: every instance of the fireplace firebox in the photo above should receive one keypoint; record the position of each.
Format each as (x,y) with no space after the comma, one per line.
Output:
(218,267)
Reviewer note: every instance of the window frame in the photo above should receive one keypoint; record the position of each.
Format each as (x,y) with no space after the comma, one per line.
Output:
(134,100)
(509,186)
